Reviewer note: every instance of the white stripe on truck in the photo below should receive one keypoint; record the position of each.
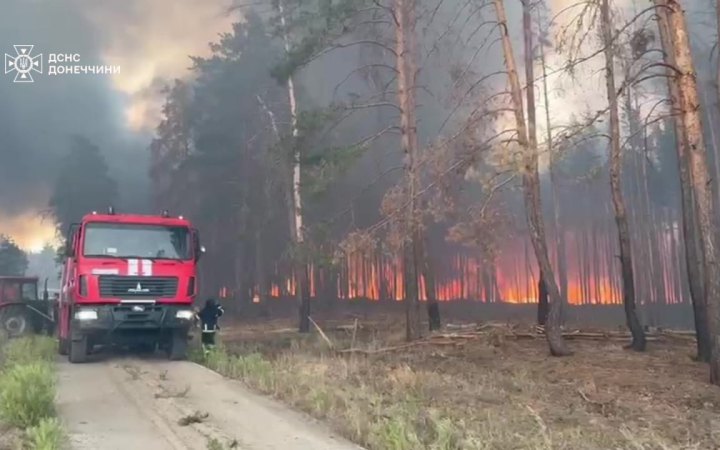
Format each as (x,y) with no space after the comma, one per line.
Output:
(132,267)
(147,268)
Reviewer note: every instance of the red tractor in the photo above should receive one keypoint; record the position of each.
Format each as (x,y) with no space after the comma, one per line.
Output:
(128,280)
(21,310)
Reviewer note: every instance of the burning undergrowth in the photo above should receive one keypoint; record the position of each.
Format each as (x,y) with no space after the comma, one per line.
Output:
(490,392)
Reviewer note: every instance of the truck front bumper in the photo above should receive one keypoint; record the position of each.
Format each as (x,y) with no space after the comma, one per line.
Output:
(131,318)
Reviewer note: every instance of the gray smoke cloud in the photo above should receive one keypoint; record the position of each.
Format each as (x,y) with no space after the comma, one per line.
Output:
(149,40)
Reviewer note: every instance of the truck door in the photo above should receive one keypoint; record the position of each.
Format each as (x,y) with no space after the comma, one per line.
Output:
(66,282)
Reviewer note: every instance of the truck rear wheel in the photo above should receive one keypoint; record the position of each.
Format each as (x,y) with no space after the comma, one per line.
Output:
(78,349)
(178,345)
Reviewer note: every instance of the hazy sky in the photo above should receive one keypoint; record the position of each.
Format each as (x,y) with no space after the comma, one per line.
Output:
(149,39)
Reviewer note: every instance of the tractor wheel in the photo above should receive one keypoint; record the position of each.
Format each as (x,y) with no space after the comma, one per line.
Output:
(14,321)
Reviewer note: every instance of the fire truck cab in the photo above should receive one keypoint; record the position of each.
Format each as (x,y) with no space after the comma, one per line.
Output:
(128,280)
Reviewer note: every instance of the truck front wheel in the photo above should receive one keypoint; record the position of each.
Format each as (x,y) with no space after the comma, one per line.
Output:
(78,347)
(178,345)
(63,346)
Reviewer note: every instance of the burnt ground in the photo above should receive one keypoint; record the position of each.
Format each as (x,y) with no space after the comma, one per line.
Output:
(490,390)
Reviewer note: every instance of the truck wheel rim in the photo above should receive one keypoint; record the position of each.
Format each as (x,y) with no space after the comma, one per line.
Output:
(15,325)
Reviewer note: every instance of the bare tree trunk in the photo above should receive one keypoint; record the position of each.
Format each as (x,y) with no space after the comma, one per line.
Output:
(553,154)
(596,264)
(699,174)
(717,69)
(300,266)
(542,311)
(693,254)
(260,272)
(405,51)
(543,304)
(626,267)
(715,156)
(293,198)
(531,185)
(433,308)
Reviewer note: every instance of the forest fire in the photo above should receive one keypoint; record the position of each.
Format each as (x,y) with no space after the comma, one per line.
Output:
(592,274)
(375,281)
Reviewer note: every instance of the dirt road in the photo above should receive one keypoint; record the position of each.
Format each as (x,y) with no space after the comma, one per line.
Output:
(124,403)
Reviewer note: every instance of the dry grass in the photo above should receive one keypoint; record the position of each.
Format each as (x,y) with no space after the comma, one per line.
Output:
(490,393)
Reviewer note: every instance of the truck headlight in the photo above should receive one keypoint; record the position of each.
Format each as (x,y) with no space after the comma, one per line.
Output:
(184,314)
(86,314)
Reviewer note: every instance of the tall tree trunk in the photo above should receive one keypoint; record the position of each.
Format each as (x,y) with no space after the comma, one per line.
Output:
(717,68)
(260,272)
(693,252)
(532,136)
(715,175)
(543,304)
(293,198)
(300,263)
(640,215)
(626,267)
(531,186)
(699,174)
(405,51)
(433,307)
(557,227)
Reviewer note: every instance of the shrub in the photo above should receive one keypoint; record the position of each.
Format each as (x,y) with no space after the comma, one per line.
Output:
(27,394)
(46,435)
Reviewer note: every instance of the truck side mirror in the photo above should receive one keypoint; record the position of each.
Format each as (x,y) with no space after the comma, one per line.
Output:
(198,249)
(46,294)
(70,240)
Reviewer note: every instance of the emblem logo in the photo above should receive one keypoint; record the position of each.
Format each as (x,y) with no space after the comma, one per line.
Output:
(23,64)
(138,289)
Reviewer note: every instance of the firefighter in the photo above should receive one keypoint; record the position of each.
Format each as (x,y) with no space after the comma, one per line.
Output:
(209,316)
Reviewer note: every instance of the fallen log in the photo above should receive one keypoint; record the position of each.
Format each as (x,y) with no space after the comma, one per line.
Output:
(397,347)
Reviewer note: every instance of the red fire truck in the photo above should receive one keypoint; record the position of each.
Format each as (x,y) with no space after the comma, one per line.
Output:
(128,280)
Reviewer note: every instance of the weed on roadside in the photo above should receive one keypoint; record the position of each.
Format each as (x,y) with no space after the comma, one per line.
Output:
(27,394)
(216,444)
(245,367)
(28,350)
(46,435)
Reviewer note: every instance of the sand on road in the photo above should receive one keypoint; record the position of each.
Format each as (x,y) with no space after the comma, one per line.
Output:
(129,403)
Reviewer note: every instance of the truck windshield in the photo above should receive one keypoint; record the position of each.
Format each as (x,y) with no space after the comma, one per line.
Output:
(117,240)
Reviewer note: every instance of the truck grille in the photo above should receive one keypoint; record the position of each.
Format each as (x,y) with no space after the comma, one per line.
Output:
(138,287)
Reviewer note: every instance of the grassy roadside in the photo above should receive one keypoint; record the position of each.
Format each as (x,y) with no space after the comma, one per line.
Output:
(27,394)
(488,396)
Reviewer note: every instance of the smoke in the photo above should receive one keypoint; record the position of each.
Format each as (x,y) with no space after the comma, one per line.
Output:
(150,40)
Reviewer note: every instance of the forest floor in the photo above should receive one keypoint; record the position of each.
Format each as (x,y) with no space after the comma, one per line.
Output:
(490,390)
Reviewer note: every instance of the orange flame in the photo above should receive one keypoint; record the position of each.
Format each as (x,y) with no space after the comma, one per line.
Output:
(592,273)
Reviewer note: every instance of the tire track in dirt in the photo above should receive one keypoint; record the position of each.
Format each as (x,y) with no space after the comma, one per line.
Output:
(121,403)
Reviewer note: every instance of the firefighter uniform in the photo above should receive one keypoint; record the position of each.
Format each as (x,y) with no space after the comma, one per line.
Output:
(209,316)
